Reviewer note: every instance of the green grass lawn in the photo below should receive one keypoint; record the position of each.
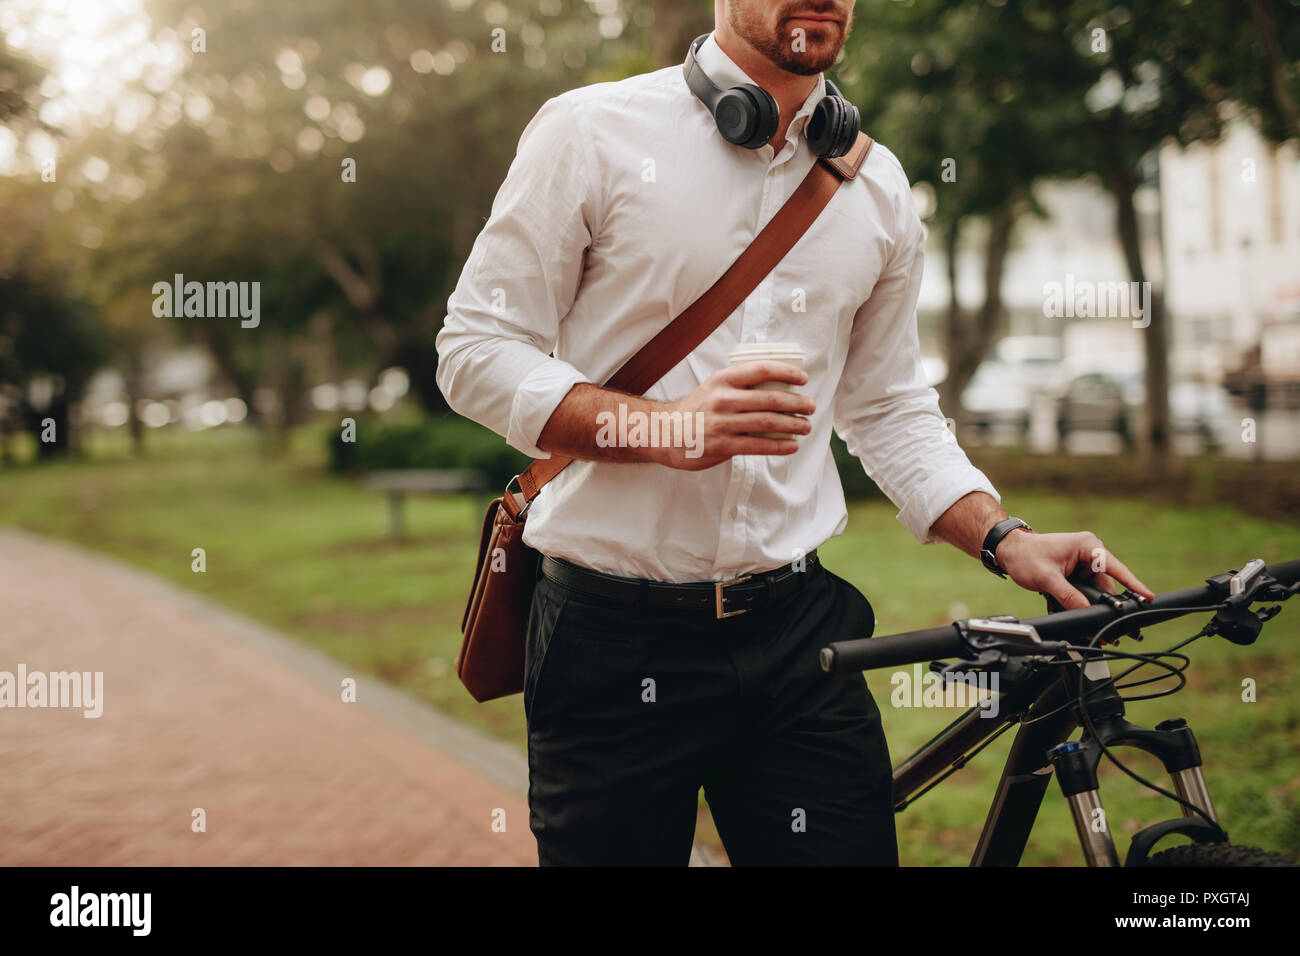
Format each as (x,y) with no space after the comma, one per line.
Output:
(310,555)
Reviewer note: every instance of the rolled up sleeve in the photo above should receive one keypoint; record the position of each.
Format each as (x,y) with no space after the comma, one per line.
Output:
(494,350)
(886,413)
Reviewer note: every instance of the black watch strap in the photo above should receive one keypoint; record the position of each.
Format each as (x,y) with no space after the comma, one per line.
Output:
(988,552)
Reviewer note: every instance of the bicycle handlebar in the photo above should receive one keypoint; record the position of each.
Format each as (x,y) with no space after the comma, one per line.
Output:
(1074,626)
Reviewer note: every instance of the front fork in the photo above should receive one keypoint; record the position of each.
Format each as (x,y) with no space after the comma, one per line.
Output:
(1171,742)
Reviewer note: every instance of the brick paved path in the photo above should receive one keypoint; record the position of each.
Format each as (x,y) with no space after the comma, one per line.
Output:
(196,715)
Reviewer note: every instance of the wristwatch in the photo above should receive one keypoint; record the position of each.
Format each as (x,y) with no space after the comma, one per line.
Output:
(988,552)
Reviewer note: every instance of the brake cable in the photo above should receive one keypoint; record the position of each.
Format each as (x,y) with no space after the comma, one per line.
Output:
(953,767)
(1091,728)
(1153,658)
(966,758)
(1103,654)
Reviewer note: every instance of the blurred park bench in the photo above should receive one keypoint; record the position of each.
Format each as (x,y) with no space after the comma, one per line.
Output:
(399,483)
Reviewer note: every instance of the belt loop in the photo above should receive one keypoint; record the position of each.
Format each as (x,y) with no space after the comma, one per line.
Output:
(642,597)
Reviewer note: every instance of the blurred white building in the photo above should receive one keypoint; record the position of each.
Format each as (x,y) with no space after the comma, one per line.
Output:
(1232,243)
(1076,244)
(1221,235)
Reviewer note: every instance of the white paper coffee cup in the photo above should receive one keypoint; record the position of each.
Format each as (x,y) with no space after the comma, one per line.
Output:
(791,353)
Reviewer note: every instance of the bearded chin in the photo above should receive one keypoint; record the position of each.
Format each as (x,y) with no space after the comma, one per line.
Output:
(814,59)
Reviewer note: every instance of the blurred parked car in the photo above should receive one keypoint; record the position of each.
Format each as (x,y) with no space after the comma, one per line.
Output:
(1202,409)
(1094,402)
(1002,390)
(1113,401)
(997,396)
(1036,357)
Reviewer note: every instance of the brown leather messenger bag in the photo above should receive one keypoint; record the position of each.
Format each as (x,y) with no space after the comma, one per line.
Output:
(491,659)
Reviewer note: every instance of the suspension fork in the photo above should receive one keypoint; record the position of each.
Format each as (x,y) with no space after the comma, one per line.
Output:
(1189,781)
(1075,764)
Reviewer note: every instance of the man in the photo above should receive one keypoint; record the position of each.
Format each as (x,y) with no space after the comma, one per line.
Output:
(623,205)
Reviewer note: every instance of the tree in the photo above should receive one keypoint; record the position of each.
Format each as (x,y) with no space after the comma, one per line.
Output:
(49,343)
(969,97)
(1029,89)
(1164,72)
(50,346)
(342,156)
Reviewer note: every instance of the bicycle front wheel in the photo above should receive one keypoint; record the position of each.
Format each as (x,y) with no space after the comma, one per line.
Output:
(1217,854)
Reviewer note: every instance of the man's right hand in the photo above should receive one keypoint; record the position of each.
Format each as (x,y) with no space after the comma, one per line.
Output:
(733,410)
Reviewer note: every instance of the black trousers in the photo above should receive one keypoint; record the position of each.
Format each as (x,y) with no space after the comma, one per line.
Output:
(631,711)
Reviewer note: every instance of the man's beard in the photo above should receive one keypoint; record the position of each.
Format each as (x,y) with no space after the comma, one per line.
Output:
(779,48)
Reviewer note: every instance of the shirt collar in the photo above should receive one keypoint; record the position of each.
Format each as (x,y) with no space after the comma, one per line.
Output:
(724,73)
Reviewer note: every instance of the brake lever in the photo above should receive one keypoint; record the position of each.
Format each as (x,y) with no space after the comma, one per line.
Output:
(1005,636)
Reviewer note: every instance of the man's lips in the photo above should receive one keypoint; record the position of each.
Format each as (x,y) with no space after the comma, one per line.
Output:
(815,18)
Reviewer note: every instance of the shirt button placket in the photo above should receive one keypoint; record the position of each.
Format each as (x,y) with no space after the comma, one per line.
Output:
(772,191)
(754,316)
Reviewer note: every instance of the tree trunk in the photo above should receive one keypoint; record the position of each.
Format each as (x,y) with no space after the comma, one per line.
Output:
(417,354)
(954,321)
(1158,446)
(9,423)
(288,380)
(243,381)
(1268,32)
(134,377)
(58,412)
(969,343)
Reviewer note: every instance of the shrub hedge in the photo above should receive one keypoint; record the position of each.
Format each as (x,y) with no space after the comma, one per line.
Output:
(450,441)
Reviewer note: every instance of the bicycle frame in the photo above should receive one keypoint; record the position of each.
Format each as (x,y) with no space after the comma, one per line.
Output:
(1043,699)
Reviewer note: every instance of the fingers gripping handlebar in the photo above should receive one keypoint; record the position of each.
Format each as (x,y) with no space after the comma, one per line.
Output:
(1238,587)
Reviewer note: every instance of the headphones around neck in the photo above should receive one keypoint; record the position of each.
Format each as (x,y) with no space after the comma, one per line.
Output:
(748,116)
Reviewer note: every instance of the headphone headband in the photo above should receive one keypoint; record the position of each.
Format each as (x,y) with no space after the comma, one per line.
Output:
(698,81)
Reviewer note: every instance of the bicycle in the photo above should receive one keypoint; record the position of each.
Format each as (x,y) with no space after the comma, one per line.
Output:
(1054,677)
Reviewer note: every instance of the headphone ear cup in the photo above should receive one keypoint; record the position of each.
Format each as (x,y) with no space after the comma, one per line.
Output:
(833,127)
(852,125)
(762,112)
(735,115)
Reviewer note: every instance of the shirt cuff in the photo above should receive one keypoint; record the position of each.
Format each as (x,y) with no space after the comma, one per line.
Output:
(939,493)
(535,401)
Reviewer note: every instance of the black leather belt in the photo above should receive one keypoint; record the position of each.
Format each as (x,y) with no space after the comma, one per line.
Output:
(723,598)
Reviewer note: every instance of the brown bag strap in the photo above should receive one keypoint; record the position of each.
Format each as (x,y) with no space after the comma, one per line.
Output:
(680,337)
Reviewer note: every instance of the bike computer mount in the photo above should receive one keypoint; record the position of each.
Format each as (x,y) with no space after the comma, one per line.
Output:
(1235,621)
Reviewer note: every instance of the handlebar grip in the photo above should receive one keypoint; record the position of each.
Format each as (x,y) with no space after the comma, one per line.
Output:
(934,643)
(1287,572)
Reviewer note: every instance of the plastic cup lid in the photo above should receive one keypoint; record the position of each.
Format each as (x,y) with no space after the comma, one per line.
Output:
(787,351)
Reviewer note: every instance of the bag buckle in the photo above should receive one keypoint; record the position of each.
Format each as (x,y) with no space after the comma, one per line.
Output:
(720,597)
(513,507)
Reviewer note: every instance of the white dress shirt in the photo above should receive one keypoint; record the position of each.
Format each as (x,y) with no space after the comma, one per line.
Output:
(622,206)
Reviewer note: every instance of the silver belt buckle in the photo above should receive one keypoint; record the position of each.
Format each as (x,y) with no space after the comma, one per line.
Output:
(720,599)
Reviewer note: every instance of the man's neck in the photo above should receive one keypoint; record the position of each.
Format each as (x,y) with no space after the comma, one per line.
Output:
(790,90)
